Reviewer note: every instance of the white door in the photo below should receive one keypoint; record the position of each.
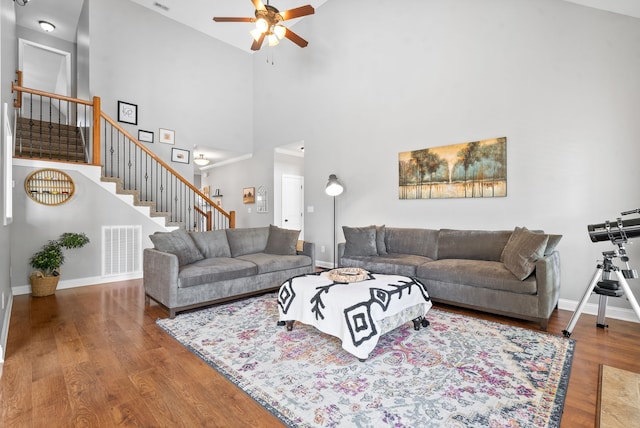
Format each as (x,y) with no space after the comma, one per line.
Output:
(293,203)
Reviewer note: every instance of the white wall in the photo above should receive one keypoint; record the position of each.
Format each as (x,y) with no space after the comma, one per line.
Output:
(560,81)
(90,208)
(231,178)
(8,65)
(180,79)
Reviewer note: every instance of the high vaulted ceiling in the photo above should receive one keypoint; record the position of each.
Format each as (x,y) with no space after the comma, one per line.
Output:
(198,14)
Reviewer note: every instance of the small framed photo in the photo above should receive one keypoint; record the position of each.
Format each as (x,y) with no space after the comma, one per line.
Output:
(127,113)
(249,195)
(145,136)
(167,136)
(180,155)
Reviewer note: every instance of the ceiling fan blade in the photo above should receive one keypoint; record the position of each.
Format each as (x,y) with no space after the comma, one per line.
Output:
(297,12)
(257,44)
(258,4)
(224,19)
(296,39)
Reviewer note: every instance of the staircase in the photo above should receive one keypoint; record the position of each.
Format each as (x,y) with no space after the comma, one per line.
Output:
(41,134)
(120,190)
(46,140)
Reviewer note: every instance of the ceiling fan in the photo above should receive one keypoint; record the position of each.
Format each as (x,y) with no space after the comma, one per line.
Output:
(268,21)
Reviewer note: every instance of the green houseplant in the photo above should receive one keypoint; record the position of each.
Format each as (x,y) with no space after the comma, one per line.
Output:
(48,260)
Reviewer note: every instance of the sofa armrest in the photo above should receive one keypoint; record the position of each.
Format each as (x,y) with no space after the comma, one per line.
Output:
(548,281)
(160,276)
(340,255)
(309,249)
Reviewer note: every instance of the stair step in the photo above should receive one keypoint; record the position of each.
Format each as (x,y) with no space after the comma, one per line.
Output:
(47,155)
(36,139)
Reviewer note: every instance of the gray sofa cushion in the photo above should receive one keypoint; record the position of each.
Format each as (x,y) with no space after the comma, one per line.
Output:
(523,250)
(477,273)
(472,244)
(274,263)
(360,241)
(381,246)
(212,243)
(282,241)
(177,242)
(391,264)
(214,269)
(247,241)
(419,242)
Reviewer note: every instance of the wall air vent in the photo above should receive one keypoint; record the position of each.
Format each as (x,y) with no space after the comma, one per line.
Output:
(121,250)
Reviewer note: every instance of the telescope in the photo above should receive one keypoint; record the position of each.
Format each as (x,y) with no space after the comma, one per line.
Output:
(616,231)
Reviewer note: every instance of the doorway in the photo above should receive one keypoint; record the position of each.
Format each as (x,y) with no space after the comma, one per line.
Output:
(46,69)
(293,203)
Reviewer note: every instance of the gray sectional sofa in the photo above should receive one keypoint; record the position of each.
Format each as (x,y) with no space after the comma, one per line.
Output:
(186,270)
(513,273)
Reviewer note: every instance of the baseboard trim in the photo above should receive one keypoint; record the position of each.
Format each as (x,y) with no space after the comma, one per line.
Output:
(80,282)
(326,265)
(614,312)
(4,335)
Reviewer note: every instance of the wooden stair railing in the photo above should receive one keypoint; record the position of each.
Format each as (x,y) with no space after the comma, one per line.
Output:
(123,159)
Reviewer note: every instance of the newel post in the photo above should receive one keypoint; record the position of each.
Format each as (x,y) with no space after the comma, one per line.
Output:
(232,219)
(96,131)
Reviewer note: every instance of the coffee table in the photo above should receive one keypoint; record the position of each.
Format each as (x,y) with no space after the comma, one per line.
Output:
(357,313)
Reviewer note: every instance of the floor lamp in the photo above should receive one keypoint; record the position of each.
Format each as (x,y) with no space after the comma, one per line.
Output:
(334,188)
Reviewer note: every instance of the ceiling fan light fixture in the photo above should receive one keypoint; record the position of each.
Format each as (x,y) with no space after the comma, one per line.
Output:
(256,34)
(201,161)
(279,31)
(262,25)
(273,40)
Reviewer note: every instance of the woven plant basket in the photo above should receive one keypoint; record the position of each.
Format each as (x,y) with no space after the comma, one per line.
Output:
(43,285)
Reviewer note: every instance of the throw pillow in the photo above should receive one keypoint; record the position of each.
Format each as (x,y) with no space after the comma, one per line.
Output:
(360,241)
(247,240)
(177,242)
(554,240)
(212,243)
(522,251)
(282,241)
(380,237)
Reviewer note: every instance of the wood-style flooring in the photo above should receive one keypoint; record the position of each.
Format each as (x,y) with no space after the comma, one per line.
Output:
(93,357)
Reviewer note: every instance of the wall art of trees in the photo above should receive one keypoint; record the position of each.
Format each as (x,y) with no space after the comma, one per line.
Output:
(469,170)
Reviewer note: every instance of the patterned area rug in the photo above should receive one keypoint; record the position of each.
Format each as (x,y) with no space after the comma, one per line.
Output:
(457,372)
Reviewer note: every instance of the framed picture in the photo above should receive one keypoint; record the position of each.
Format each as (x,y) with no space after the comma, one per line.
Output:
(145,136)
(167,136)
(248,195)
(179,155)
(261,200)
(127,113)
(476,169)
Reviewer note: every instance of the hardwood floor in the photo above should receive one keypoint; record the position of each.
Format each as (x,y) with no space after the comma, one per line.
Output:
(93,356)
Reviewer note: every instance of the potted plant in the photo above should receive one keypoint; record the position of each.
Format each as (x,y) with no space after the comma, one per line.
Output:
(48,260)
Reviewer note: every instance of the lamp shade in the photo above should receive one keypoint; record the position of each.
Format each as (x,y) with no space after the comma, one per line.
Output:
(334,188)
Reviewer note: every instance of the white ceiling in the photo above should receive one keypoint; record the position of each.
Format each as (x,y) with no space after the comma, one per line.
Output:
(198,14)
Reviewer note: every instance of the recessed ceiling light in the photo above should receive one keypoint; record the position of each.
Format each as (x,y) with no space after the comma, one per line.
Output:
(47,26)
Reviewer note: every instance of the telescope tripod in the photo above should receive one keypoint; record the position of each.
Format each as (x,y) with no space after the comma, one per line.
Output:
(605,287)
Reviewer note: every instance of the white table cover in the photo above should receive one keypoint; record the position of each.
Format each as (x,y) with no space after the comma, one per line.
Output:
(350,311)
